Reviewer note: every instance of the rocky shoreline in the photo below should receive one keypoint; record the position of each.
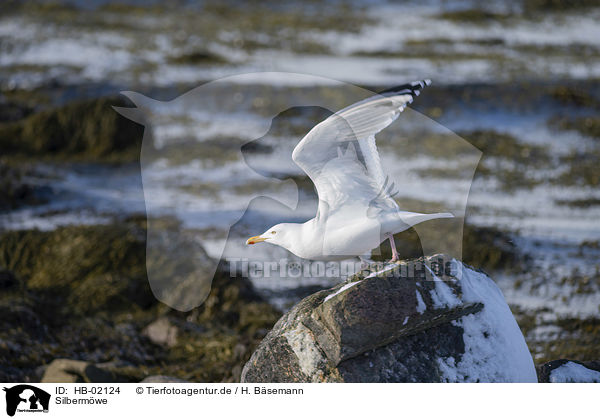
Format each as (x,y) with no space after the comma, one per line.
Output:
(90,282)
(81,293)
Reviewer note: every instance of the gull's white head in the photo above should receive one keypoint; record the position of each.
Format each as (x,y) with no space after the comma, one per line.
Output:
(284,235)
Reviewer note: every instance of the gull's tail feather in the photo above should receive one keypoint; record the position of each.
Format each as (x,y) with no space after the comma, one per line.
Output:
(414,218)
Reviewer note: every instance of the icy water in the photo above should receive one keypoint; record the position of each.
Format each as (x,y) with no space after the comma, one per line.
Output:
(495,72)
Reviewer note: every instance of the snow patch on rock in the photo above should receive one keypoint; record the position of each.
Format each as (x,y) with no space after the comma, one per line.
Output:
(442,296)
(495,349)
(572,372)
(421,307)
(373,274)
(344,288)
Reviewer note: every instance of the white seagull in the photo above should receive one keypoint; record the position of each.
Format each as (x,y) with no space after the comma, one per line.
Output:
(356,210)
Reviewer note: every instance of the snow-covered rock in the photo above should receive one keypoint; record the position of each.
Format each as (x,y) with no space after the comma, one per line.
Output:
(567,371)
(431,319)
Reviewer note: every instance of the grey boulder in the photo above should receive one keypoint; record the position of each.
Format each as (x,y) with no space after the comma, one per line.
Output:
(431,319)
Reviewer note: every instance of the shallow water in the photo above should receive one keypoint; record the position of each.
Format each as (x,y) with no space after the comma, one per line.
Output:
(376,45)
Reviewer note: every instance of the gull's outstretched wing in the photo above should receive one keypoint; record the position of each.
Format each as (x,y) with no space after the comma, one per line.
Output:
(340,155)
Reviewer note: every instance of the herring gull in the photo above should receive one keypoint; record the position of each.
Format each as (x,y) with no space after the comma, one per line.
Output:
(356,210)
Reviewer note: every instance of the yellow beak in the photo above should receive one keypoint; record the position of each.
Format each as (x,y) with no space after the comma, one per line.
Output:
(255,239)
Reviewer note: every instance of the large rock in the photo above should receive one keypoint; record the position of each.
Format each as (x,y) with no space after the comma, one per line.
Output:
(428,320)
(568,371)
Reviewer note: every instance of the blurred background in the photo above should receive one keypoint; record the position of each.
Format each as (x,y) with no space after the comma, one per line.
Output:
(519,80)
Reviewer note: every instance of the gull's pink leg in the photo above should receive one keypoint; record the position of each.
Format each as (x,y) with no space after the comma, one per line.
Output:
(395,257)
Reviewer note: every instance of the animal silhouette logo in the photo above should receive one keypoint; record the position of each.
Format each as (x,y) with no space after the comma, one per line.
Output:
(220,157)
(26,398)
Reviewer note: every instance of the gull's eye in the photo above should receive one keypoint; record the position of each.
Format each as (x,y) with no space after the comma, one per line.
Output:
(273,232)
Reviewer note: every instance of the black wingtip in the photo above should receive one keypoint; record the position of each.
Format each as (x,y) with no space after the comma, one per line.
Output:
(413,88)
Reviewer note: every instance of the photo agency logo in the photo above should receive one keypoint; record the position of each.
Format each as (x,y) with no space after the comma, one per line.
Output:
(25,398)
(286,268)
(291,161)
